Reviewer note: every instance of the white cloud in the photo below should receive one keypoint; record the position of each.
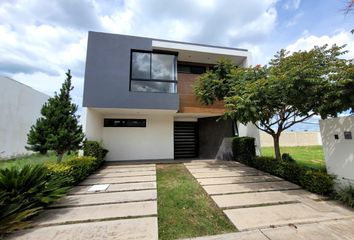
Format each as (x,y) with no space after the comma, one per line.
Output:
(339,38)
(291,4)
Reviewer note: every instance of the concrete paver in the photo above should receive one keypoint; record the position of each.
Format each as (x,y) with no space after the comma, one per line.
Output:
(276,208)
(90,213)
(251,199)
(249,187)
(117,187)
(121,166)
(333,230)
(127,169)
(103,180)
(124,229)
(122,174)
(227,174)
(127,209)
(276,215)
(214,165)
(239,179)
(220,169)
(105,198)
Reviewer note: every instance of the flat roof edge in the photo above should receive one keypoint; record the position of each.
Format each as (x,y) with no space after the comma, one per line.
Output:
(172,41)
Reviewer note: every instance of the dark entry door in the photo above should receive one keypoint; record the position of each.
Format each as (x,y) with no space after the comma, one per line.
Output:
(186,139)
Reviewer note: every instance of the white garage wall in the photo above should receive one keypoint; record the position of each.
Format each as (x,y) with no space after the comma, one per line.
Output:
(339,153)
(130,143)
(20,107)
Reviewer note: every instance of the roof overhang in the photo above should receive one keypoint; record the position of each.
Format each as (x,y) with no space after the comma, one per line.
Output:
(207,54)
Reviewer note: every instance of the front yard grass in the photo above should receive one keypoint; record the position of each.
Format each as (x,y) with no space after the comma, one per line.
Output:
(32,159)
(311,156)
(184,209)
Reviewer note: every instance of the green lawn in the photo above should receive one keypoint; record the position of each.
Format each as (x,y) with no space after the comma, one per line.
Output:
(30,159)
(184,209)
(308,155)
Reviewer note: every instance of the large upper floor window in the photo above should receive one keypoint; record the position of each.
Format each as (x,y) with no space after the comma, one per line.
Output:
(153,72)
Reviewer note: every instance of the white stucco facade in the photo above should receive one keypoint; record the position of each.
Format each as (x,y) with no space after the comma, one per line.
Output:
(20,107)
(339,151)
(155,141)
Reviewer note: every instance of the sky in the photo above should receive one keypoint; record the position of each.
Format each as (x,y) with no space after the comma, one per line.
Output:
(41,39)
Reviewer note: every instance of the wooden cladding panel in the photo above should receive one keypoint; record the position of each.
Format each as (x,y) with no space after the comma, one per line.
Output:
(188,101)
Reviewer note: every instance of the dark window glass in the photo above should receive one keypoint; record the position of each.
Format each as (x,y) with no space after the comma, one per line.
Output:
(141,65)
(191,69)
(150,86)
(163,67)
(113,122)
(153,72)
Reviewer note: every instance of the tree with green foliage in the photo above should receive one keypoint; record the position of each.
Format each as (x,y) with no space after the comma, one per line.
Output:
(292,89)
(58,129)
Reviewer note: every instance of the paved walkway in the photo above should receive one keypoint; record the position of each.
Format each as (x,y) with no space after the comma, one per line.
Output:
(126,209)
(264,207)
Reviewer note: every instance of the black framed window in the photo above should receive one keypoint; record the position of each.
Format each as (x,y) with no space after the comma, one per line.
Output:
(153,72)
(118,122)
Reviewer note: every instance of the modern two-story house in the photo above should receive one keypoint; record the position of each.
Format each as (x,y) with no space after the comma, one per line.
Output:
(139,100)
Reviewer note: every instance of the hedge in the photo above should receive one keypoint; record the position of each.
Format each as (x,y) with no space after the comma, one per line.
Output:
(314,180)
(243,149)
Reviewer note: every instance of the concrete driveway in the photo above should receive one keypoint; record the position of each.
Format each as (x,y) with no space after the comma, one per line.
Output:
(264,207)
(125,208)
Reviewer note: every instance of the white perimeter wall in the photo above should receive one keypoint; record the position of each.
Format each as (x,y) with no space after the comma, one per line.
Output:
(20,107)
(132,143)
(339,153)
(292,139)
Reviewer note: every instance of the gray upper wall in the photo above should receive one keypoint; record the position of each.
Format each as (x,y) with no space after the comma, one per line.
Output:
(107,75)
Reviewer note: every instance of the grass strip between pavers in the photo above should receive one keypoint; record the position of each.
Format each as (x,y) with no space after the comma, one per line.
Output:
(184,208)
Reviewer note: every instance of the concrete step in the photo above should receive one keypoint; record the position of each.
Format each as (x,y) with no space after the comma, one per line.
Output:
(104,198)
(244,179)
(138,228)
(249,187)
(116,187)
(277,215)
(98,212)
(103,180)
(251,199)
(123,174)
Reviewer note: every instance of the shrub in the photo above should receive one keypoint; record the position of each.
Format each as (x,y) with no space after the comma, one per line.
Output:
(81,167)
(94,149)
(314,180)
(287,158)
(24,192)
(268,164)
(243,149)
(317,181)
(293,172)
(346,195)
(64,171)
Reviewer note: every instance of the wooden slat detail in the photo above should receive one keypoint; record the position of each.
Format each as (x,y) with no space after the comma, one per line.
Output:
(188,101)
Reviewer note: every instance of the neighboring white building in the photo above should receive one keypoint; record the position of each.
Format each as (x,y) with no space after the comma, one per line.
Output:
(20,107)
(338,145)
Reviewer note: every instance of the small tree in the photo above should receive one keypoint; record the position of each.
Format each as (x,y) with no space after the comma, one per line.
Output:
(58,128)
(291,90)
